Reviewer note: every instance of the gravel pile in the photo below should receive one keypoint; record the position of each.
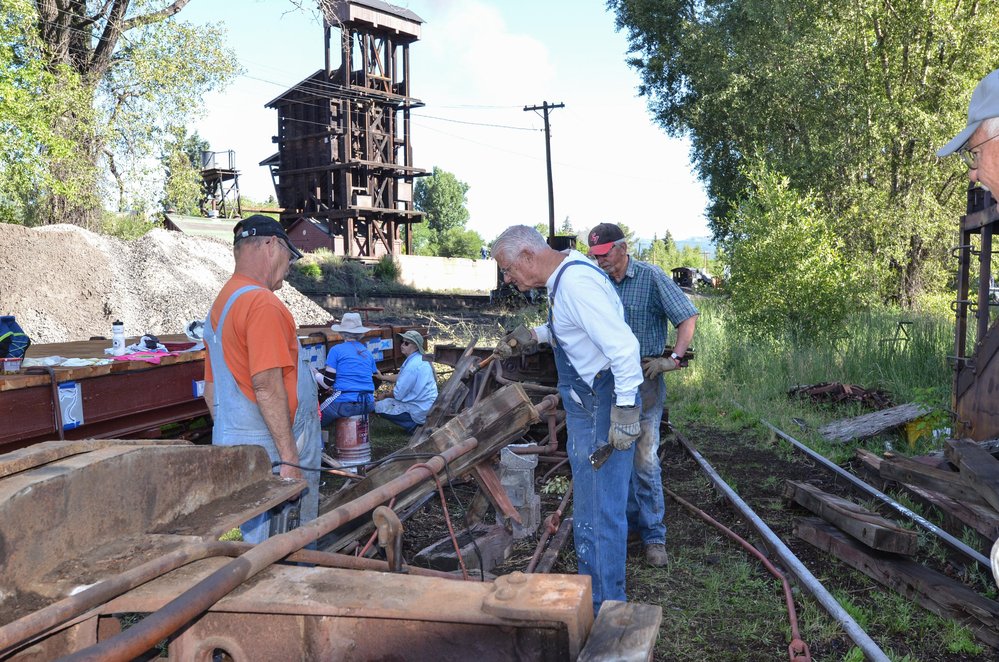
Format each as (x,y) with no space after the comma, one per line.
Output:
(66,283)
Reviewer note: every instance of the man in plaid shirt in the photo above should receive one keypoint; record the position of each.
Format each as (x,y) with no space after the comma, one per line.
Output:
(651,300)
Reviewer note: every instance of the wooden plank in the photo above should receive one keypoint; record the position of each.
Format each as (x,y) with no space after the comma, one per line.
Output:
(495,421)
(977,466)
(933,590)
(869,528)
(983,519)
(454,392)
(868,425)
(950,483)
(624,632)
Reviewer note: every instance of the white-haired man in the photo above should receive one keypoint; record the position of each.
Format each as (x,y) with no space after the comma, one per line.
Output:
(977,142)
(598,378)
(978,145)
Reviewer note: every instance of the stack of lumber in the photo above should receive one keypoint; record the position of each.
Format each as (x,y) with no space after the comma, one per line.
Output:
(965,497)
(835,392)
(882,549)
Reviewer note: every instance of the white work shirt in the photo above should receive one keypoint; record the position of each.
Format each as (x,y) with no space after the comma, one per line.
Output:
(589,323)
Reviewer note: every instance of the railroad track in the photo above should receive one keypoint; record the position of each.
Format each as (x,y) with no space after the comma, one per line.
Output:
(751,478)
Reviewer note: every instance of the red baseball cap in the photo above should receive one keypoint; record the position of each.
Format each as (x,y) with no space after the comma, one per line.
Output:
(602,238)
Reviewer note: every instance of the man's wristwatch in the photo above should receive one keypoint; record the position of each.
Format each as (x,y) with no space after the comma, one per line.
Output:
(676,359)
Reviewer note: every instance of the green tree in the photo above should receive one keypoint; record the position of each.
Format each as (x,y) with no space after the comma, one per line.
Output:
(31,96)
(789,273)
(132,70)
(848,99)
(441,196)
(182,184)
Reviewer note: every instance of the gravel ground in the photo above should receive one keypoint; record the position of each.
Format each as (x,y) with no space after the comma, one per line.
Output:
(66,283)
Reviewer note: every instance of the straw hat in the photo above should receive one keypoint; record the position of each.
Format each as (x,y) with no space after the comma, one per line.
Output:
(351,323)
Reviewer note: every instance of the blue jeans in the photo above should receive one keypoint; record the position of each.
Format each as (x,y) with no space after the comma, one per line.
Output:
(403,420)
(600,497)
(646,507)
(338,409)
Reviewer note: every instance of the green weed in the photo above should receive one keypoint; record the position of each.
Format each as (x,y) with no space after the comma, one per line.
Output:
(957,639)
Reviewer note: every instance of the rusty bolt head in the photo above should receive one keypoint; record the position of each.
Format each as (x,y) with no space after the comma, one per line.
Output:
(517,577)
(505,593)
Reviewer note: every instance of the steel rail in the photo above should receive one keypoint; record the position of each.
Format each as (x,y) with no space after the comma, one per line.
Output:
(196,600)
(63,612)
(950,540)
(853,630)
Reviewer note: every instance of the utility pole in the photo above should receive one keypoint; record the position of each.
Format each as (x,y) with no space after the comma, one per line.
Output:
(546,107)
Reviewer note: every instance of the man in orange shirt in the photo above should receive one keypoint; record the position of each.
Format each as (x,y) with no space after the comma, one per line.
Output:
(258,386)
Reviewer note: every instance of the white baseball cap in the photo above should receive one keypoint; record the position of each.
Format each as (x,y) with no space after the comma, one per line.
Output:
(984,104)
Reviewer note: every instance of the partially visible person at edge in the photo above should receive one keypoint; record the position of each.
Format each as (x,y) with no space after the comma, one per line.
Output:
(598,378)
(977,142)
(349,373)
(978,145)
(415,386)
(258,384)
(651,301)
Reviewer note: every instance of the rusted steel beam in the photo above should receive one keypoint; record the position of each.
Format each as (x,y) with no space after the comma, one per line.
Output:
(193,602)
(19,632)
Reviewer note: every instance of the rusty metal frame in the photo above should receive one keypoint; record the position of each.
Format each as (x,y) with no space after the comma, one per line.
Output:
(975,368)
(196,600)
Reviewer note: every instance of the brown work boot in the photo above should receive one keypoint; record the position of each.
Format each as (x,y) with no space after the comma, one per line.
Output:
(655,555)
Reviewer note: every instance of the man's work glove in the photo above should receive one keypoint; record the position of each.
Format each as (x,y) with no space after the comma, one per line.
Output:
(521,341)
(653,367)
(624,426)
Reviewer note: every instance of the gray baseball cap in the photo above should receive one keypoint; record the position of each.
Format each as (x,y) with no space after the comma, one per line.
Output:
(984,104)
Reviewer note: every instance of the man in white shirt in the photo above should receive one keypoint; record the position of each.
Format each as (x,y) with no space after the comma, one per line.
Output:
(598,378)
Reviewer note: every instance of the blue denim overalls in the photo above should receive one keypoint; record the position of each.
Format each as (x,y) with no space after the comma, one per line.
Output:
(238,421)
(600,497)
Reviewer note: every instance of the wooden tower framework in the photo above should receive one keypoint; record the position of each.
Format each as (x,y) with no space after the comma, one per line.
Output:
(344,157)
(220,185)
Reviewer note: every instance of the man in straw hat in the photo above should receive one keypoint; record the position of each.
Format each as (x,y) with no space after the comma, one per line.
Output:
(415,386)
(258,386)
(349,373)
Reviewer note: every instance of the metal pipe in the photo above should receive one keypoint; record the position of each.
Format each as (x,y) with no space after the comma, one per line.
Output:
(547,445)
(551,526)
(797,649)
(200,597)
(953,542)
(525,385)
(797,568)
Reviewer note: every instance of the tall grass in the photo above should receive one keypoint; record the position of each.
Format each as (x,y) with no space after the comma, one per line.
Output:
(732,375)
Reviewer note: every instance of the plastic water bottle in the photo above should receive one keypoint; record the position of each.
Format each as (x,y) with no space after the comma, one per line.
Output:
(117,338)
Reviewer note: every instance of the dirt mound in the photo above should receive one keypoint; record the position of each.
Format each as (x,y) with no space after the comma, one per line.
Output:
(65,283)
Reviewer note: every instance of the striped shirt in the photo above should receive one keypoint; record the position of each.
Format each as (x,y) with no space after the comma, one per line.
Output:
(651,299)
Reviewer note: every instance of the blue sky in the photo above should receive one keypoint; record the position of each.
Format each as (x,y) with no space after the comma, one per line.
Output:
(480,61)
